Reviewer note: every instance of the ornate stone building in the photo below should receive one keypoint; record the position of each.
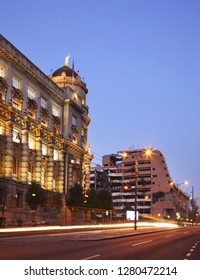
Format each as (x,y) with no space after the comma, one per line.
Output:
(43,131)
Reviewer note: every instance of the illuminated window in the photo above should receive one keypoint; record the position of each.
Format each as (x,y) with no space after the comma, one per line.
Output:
(83,101)
(31,93)
(16,136)
(55,154)
(31,143)
(16,82)
(2,71)
(43,103)
(44,149)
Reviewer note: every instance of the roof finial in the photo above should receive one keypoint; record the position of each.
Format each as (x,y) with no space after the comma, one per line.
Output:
(67,60)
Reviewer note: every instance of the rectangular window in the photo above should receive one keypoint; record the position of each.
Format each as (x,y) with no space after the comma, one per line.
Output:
(31,143)
(31,93)
(55,110)
(2,71)
(16,82)
(43,103)
(16,136)
(74,120)
(44,149)
(55,154)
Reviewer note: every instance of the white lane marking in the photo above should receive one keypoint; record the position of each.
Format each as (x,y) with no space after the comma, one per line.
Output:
(188,255)
(170,236)
(137,244)
(91,257)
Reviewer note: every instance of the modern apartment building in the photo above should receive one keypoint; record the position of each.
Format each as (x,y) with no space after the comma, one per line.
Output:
(43,131)
(134,177)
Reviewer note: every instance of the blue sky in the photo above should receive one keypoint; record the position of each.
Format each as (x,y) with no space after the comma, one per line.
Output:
(140,60)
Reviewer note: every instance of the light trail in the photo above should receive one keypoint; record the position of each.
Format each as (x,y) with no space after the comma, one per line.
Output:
(124,225)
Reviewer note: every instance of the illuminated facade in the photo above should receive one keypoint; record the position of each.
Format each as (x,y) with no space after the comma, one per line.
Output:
(156,195)
(43,131)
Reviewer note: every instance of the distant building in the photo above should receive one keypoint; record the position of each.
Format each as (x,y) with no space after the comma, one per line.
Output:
(43,131)
(156,195)
(98,178)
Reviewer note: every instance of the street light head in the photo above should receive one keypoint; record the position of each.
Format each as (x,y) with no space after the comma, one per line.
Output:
(124,154)
(148,152)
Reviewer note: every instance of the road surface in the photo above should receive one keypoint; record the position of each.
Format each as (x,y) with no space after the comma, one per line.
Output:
(175,244)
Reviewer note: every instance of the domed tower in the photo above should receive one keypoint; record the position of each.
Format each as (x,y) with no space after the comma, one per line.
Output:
(75,125)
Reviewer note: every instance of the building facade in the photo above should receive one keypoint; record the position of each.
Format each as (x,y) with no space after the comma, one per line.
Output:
(155,194)
(43,131)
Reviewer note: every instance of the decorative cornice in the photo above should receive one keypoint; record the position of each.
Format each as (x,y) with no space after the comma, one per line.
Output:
(13,55)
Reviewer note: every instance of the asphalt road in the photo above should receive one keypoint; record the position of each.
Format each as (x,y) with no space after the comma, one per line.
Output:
(176,244)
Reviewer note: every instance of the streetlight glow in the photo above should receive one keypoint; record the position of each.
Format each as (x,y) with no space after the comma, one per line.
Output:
(148,152)
(124,154)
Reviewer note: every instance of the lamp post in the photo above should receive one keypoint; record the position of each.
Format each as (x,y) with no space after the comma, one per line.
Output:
(146,152)
(192,205)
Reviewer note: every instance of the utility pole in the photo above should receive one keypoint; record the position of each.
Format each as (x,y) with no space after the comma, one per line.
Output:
(192,205)
(136,189)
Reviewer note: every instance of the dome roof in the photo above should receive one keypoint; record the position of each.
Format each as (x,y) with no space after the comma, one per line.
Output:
(68,71)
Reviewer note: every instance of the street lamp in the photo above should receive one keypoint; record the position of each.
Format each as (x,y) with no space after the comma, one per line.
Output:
(146,152)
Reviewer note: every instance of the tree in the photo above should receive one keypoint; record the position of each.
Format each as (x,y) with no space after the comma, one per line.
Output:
(75,196)
(194,210)
(35,196)
(93,200)
(105,198)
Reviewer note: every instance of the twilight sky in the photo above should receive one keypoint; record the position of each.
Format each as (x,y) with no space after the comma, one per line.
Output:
(141,62)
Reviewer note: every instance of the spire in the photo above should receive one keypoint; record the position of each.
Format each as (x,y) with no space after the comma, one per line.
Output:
(67,60)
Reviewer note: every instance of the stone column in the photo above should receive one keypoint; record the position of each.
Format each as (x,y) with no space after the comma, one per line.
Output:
(38,158)
(24,159)
(87,176)
(70,176)
(50,167)
(8,158)
(61,171)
